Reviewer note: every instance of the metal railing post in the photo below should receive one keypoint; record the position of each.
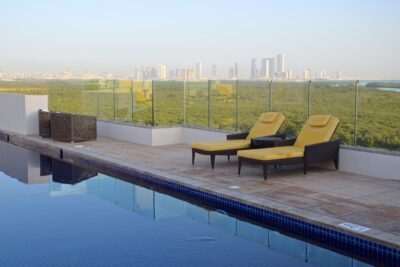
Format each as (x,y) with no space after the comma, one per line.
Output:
(209,104)
(184,102)
(237,105)
(270,95)
(356,113)
(131,91)
(114,82)
(152,104)
(309,99)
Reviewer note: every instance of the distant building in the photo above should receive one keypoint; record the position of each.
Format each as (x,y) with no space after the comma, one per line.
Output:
(253,70)
(264,72)
(338,74)
(236,71)
(288,75)
(231,73)
(199,71)
(213,72)
(280,63)
(161,72)
(271,67)
(307,74)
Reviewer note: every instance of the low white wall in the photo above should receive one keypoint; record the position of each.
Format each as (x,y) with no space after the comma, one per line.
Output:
(19,113)
(369,162)
(156,136)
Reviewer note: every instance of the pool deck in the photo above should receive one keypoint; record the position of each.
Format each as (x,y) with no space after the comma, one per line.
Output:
(323,197)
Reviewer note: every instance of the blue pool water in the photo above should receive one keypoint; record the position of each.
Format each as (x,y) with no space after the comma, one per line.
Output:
(55,214)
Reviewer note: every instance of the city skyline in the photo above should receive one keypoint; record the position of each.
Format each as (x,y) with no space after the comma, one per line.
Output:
(326,35)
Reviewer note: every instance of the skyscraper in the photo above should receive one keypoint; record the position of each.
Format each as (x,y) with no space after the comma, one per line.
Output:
(231,73)
(253,69)
(161,72)
(264,72)
(236,72)
(199,71)
(280,63)
(307,74)
(213,72)
(271,67)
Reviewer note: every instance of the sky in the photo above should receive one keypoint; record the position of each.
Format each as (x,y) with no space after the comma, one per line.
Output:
(359,37)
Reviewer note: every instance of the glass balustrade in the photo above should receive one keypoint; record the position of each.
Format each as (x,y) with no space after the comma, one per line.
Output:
(368,111)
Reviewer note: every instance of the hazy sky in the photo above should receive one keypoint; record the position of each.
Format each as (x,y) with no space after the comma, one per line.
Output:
(360,37)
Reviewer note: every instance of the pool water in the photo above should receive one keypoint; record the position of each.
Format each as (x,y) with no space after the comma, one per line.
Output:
(56,214)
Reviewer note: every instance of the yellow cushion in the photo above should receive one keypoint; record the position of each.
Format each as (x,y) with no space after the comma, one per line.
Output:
(268,117)
(318,120)
(311,134)
(222,145)
(268,124)
(273,153)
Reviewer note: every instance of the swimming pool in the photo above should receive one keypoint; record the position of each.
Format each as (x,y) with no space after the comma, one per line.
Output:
(54,213)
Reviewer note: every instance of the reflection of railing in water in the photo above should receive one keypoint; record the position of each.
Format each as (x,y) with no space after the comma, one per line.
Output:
(157,206)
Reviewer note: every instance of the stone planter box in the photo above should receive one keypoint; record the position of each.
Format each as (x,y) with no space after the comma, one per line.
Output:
(67,127)
(44,124)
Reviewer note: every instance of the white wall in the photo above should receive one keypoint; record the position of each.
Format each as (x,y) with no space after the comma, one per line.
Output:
(19,113)
(156,136)
(369,162)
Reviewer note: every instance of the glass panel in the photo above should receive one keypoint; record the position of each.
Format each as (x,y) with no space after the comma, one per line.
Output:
(336,98)
(223,105)
(142,102)
(252,232)
(65,96)
(196,104)
(287,245)
(106,100)
(167,207)
(291,98)
(27,87)
(123,100)
(143,202)
(90,97)
(222,221)
(168,102)
(325,258)
(379,114)
(124,194)
(197,213)
(253,100)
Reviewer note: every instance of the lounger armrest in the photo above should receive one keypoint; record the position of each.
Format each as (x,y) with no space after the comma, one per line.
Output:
(237,136)
(322,151)
(285,142)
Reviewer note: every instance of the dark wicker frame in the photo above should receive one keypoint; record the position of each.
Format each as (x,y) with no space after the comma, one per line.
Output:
(314,153)
(230,152)
(66,127)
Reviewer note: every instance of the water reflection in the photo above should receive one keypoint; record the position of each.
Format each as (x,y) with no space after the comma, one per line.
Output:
(21,164)
(158,206)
